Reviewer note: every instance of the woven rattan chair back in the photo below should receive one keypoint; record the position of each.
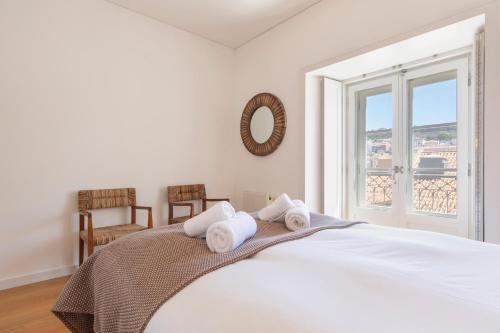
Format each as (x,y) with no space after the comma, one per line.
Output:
(108,198)
(186,193)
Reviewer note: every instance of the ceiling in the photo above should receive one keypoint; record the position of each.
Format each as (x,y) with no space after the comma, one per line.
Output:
(228,22)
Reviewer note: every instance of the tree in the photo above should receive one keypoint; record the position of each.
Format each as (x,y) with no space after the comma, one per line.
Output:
(444,136)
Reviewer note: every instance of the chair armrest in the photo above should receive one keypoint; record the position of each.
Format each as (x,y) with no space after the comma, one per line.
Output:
(86,213)
(90,232)
(188,204)
(143,207)
(223,199)
(185,204)
(90,228)
(150,214)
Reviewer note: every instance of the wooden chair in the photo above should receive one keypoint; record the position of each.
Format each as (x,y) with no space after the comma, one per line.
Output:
(108,198)
(177,195)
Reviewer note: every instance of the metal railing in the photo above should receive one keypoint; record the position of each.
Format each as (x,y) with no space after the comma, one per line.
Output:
(434,191)
(379,187)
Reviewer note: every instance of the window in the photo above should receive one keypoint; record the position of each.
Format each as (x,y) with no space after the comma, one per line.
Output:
(374,127)
(408,148)
(433,139)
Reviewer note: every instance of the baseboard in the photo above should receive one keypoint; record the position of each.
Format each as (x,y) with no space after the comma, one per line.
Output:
(22,280)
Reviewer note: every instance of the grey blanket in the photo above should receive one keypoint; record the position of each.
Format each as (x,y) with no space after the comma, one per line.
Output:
(119,288)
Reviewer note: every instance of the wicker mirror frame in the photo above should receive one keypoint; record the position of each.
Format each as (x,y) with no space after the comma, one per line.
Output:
(279,115)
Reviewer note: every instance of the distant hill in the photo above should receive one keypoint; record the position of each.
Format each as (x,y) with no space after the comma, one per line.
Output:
(428,132)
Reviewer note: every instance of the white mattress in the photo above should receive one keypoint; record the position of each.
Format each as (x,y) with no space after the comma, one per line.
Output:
(362,279)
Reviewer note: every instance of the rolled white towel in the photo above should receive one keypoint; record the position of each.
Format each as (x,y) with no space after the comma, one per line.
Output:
(225,236)
(277,209)
(197,226)
(298,218)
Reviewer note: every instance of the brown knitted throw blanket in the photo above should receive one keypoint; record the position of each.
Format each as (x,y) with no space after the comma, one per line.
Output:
(119,288)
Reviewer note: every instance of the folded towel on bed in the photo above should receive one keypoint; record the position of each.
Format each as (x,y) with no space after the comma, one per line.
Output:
(197,226)
(225,236)
(277,209)
(255,215)
(298,217)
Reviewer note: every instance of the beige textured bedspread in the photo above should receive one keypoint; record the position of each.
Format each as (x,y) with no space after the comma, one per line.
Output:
(120,287)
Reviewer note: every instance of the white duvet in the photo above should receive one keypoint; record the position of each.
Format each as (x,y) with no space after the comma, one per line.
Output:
(362,279)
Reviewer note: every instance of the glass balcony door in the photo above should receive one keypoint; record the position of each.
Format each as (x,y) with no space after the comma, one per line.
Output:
(408,149)
(437,147)
(374,151)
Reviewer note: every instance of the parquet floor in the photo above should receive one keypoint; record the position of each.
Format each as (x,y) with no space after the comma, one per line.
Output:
(27,308)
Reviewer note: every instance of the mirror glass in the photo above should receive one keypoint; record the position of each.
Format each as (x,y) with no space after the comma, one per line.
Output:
(262,124)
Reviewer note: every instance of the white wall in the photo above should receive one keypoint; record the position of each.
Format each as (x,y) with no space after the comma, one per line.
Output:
(95,96)
(335,30)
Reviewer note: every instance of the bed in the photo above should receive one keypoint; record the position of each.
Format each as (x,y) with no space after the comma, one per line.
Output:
(361,278)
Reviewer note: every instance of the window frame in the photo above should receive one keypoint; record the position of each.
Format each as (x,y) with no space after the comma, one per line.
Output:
(442,64)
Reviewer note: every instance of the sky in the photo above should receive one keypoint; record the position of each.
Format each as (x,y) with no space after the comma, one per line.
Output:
(432,104)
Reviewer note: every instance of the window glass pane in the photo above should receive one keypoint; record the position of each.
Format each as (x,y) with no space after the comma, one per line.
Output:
(433,142)
(374,128)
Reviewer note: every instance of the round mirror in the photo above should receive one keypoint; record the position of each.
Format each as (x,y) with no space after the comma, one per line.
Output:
(262,124)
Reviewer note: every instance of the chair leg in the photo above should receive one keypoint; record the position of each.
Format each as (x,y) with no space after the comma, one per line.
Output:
(81,252)
(90,248)
(150,218)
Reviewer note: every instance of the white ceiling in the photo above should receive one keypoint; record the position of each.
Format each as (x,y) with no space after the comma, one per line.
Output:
(228,22)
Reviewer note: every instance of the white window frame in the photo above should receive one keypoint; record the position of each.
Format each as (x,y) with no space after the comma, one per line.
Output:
(464,56)
(379,213)
(440,222)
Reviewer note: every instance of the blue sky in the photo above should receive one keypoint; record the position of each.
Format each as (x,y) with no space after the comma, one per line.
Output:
(432,104)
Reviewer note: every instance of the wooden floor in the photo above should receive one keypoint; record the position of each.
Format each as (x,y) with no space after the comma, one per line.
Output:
(27,308)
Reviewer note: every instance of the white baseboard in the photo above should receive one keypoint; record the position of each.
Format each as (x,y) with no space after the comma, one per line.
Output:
(22,280)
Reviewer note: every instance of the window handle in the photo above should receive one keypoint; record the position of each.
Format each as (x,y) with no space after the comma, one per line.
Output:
(398,169)
(395,170)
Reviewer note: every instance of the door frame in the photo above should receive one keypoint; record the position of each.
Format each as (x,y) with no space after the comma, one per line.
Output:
(464,134)
(352,150)
(432,221)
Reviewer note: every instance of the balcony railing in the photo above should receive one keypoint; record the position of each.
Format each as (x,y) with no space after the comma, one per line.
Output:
(434,190)
(379,187)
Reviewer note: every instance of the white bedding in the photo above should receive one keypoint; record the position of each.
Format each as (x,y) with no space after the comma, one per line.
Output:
(362,279)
